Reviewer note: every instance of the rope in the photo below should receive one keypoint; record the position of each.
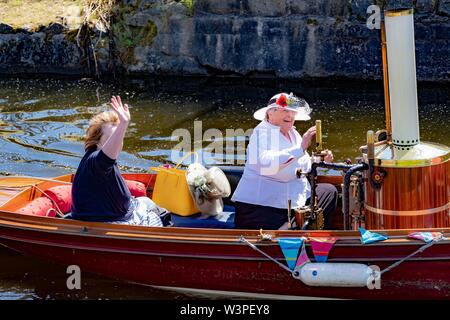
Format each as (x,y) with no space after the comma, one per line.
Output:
(58,210)
(421,249)
(242,239)
(195,153)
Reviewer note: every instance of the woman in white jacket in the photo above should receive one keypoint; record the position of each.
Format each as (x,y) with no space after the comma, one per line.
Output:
(275,151)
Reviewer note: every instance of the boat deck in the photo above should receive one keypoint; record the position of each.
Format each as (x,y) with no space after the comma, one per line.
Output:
(6,194)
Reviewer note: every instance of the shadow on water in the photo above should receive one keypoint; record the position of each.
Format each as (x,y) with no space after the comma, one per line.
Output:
(42,123)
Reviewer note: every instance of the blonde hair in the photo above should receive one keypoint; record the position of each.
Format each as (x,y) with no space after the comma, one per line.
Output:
(95,130)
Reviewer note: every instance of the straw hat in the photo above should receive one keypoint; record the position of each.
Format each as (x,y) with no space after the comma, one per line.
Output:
(289,102)
(208,187)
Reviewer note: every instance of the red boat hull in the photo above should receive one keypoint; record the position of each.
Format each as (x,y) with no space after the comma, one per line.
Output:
(233,266)
(216,259)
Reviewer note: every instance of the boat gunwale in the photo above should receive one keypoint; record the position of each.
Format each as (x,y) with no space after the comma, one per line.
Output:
(194,235)
(209,256)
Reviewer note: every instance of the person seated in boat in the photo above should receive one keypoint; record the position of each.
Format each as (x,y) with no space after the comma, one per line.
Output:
(274,153)
(99,192)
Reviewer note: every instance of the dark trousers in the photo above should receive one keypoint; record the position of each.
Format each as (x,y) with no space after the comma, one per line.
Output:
(252,216)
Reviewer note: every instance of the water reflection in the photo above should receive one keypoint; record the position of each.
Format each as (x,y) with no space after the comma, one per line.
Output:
(42,123)
(28,278)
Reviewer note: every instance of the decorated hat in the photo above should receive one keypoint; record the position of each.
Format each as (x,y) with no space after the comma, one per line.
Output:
(288,102)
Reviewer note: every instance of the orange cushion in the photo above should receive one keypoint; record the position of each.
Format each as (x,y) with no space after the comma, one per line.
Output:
(62,196)
(137,188)
(39,207)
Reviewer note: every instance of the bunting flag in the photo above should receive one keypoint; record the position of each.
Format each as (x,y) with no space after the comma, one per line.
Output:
(303,257)
(290,247)
(426,236)
(370,237)
(321,247)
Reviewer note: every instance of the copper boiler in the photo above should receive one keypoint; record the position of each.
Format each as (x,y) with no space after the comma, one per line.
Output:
(408,185)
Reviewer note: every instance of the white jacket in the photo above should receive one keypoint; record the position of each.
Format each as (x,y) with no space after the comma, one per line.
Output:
(269,177)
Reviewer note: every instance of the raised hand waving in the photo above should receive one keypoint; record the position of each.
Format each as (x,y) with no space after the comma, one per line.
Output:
(121,109)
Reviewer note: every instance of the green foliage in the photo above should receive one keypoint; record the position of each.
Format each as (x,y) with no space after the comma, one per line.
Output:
(15,2)
(189,4)
(128,38)
(150,32)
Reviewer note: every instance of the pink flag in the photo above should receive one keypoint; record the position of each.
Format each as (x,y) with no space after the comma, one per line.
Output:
(303,257)
(321,247)
(426,236)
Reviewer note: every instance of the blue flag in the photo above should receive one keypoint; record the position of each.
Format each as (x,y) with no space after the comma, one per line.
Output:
(290,248)
(370,237)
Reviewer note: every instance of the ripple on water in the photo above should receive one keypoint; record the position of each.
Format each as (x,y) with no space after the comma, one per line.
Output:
(28,102)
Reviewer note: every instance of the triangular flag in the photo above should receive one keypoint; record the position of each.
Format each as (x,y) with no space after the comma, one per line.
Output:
(303,257)
(370,237)
(321,247)
(426,236)
(290,247)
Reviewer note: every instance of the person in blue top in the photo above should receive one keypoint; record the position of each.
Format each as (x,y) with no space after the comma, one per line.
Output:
(99,193)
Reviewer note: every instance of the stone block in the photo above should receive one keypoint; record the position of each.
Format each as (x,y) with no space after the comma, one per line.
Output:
(5,28)
(54,28)
(425,6)
(139,19)
(175,8)
(357,9)
(444,8)
(330,8)
(219,7)
(266,8)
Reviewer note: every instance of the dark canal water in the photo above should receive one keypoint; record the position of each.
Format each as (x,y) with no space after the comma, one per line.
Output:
(42,123)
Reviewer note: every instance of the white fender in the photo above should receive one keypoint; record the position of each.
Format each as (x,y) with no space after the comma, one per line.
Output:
(335,274)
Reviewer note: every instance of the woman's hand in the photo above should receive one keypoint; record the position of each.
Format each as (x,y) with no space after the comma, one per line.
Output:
(114,142)
(307,137)
(122,110)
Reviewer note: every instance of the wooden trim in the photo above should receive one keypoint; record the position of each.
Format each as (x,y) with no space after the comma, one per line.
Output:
(399,12)
(407,212)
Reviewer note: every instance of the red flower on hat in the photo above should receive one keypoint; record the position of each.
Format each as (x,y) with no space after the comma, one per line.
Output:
(282,101)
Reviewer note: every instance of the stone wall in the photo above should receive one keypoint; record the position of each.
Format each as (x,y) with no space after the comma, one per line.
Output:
(259,38)
(51,50)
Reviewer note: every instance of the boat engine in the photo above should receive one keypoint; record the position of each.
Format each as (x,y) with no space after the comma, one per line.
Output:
(408,181)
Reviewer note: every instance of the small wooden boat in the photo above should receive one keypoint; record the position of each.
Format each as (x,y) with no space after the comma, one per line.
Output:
(216,260)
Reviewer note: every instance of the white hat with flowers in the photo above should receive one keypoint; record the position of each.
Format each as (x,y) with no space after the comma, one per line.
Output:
(288,102)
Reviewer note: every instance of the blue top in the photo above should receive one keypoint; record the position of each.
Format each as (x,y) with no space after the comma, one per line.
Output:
(99,193)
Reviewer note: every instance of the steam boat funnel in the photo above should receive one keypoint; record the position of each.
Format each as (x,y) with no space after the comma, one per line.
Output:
(408,184)
(402,77)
